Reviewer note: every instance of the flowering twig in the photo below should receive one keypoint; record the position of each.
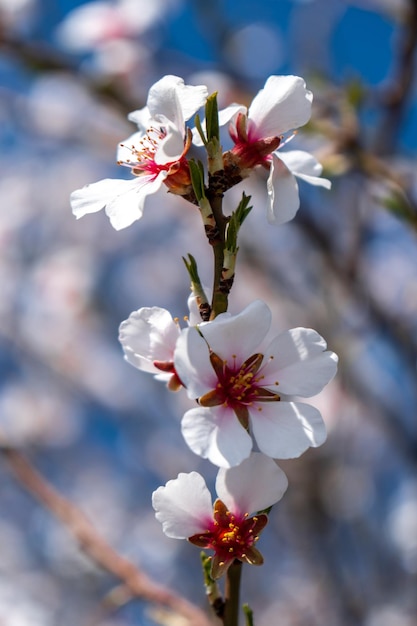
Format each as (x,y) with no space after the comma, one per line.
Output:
(220,364)
(93,544)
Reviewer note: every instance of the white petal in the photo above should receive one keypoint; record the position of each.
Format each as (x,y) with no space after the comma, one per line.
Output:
(282,187)
(284,430)
(192,363)
(94,197)
(305,166)
(183,506)
(191,97)
(171,147)
(147,335)
(300,363)
(216,434)
(141,117)
(283,104)
(254,485)
(239,335)
(126,208)
(230,112)
(176,101)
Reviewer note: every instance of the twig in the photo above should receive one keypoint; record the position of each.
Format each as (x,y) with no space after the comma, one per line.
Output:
(232,594)
(138,583)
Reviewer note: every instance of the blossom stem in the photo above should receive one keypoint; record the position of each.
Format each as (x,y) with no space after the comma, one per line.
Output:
(220,300)
(232,594)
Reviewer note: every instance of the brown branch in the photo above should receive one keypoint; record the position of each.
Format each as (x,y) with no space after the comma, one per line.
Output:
(396,98)
(135,581)
(40,57)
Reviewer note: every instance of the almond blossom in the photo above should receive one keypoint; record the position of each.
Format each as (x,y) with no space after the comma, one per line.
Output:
(284,104)
(155,155)
(149,337)
(243,391)
(94,24)
(185,510)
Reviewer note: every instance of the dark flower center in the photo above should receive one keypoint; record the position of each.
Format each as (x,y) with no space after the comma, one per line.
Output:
(238,387)
(231,537)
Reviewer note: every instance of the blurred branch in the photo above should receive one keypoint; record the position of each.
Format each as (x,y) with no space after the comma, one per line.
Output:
(135,581)
(348,152)
(40,57)
(396,97)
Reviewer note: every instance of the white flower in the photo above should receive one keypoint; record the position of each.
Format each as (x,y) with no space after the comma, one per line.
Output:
(243,392)
(185,509)
(282,105)
(149,337)
(91,25)
(155,155)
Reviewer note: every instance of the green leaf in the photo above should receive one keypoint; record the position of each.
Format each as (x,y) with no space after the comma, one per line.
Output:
(248,615)
(200,129)
(197,178)
(236,220)
(191,265)
(212,118)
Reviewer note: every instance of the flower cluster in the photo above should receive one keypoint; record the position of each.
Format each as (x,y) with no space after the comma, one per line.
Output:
(243,391)
(245,415)
(157,153)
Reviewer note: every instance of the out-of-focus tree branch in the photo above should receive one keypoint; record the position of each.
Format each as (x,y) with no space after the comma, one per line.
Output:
(40,57)
(396,97)
(136,582)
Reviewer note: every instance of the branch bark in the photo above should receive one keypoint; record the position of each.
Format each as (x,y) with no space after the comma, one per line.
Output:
(95,546)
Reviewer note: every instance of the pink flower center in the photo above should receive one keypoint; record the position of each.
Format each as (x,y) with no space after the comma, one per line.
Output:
(232,536)
(143,161)
(250,149)
(143,154)
(238,387)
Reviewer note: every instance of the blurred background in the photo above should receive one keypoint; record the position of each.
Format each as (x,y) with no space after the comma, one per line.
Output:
(341,547)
